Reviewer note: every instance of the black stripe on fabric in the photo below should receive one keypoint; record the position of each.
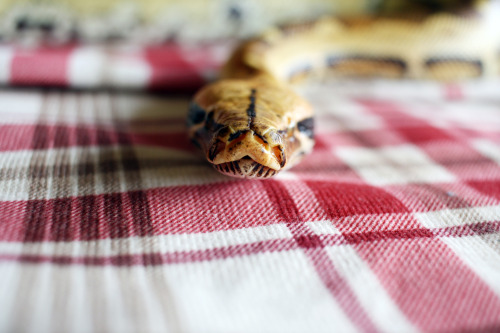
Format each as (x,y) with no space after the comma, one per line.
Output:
(60,226)
(107,170)
(86,169)
(35,215)
(141,213)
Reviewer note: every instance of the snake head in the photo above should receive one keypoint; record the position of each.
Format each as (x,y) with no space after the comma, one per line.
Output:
(249,130)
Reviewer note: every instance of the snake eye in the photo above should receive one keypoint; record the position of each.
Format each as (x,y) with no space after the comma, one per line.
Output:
(196,114)
(306,126)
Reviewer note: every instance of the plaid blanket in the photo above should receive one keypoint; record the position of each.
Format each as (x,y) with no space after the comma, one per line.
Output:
(110,221)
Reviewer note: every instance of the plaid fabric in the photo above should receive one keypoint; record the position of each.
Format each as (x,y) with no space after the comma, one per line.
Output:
(165,67)
(110,221)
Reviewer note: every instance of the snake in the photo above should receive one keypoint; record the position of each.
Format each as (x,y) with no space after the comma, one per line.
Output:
(251,123)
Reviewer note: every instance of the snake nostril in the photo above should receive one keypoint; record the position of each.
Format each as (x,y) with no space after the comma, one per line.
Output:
(260,139)
(279,154)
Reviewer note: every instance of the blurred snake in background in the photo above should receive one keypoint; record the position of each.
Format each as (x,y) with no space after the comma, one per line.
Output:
(251,124)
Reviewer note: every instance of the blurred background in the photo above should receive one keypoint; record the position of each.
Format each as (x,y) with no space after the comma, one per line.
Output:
(154,21)
(154,44)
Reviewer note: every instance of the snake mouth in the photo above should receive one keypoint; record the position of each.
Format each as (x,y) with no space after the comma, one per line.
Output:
(245,167)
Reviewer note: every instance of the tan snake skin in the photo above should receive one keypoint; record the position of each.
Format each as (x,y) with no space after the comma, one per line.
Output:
(251,124)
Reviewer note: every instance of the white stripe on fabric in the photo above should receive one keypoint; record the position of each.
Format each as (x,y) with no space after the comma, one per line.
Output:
(19,105)
(371,294)
(128,71)
(98,66)
(479,256)
(488,149)
(77,298)
(10,281)
(6,55)
(268,292)
(81,108)
(457,217)
(482,257)
(401,164)
(44,300)
(87,67)
(323,228)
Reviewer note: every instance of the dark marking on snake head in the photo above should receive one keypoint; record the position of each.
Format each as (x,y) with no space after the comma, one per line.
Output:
(222,132)
(216,148)
(283,157)
(260,137)
(251,108)
(236,135)
(196,114)
(306,126)
(211,124)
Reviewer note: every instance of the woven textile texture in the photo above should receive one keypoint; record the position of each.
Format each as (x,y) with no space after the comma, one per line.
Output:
(110,221)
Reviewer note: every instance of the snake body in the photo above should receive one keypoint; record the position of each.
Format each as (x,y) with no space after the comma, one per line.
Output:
(251,124)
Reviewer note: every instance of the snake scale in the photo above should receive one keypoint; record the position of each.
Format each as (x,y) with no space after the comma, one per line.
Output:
(251,123)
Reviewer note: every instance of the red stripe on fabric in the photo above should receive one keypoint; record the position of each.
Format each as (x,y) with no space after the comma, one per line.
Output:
(412,129)
(114,218)
(170,69)
(431,285)
(488,187)
(281,202)
(391,113)
(340,289)
(87,214)
(246,203)
(191,209)
(423,134)
(342,199)
(19,137)
(11,213)
(41,66)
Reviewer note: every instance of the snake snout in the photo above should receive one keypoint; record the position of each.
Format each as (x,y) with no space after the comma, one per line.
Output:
(250,149)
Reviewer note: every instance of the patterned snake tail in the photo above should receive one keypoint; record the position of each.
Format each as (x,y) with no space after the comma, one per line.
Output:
(251,124)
